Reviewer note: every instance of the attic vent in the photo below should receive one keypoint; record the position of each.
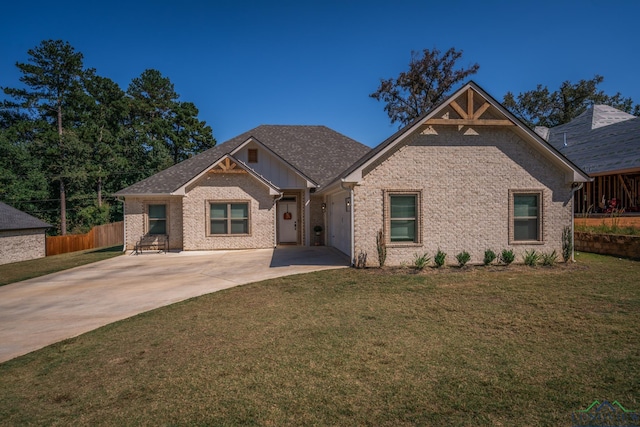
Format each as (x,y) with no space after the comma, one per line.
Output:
(429,130)
(252,155)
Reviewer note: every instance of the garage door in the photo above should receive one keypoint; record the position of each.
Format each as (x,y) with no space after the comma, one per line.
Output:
(340,222)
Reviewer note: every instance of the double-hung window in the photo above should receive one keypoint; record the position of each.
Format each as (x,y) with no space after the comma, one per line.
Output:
(157,216)
(229,218)
(526,216)
(403,217)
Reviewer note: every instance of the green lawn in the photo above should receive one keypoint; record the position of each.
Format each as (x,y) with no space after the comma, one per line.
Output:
(480,346)
(17,271)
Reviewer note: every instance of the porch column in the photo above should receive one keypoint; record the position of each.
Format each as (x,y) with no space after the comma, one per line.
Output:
(307,217)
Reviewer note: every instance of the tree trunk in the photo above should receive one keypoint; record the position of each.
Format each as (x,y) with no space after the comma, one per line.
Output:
(99,191)
(63,193)
(63,208)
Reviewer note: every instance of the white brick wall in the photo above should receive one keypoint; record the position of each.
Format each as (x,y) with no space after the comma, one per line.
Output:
(21,245)
(228,187)
(136,219)
(465,183)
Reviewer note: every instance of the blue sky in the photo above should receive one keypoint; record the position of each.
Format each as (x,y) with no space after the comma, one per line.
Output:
(246,63)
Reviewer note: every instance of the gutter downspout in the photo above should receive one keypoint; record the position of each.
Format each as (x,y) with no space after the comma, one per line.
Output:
(275,220)
(124,224)
(573,198)
(351,214)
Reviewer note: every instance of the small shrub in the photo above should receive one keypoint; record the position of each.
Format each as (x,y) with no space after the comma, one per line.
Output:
(489,256)
(382,248)
(567,244)
(531,258)
(549,259)
(421,261)
(507,256)
(439,258)
(463,258)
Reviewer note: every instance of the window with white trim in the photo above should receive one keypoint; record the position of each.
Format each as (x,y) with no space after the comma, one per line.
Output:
(226,218)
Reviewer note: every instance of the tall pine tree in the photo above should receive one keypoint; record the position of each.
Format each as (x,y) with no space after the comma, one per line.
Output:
(52,76)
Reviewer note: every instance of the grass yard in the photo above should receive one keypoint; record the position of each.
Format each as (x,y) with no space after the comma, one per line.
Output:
(17,271)
(481,346)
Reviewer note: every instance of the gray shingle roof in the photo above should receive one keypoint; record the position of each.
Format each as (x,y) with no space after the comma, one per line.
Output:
(14,219)
(600,140)
(317,152)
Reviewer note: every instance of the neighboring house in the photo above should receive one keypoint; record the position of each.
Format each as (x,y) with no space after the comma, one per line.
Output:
(605,143)
(467,176)
(22,236)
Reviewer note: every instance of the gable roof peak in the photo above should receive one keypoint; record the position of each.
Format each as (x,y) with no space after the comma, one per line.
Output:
(316,151)
(605,115)
(473,112)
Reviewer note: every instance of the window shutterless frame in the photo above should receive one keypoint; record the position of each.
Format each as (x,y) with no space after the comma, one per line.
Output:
(526,216)
(403,217)
(228,218)
(157,219)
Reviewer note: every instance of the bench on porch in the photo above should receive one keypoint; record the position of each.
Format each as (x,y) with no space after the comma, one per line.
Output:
(159,242)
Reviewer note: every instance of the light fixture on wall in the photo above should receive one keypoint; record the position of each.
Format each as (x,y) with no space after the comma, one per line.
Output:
(324,207)
(347,203)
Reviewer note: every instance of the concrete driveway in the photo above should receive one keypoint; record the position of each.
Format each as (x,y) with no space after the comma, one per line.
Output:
(41,311)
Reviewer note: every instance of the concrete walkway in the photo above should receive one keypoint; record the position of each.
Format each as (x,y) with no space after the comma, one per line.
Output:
(42,311)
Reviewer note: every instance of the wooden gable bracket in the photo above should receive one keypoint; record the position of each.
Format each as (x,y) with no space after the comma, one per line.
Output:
(469,117)
(227,166)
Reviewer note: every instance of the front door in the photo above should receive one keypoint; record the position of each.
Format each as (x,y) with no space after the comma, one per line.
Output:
(288,220)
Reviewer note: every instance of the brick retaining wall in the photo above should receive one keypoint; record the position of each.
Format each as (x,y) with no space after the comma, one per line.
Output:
(608,244)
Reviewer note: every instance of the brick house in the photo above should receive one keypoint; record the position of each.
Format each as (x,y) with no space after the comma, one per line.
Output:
(22,236)
(467,175)
(605,143)
(257,190)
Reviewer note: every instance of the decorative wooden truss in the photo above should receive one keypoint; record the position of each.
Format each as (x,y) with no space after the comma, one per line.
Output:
(470,116)
(227,166)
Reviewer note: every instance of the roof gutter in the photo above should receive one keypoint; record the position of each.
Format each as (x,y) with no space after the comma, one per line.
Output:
(124,224)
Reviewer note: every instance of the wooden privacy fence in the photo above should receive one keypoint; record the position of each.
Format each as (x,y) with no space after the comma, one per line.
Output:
(99,236)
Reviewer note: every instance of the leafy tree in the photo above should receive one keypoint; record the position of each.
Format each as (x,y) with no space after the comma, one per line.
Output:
(53,75)
(71,136)
(168,128)
(21,177)
(153,97)
(106,107)
(431,77)
(190,135)
(540,107)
